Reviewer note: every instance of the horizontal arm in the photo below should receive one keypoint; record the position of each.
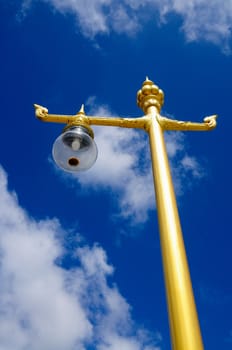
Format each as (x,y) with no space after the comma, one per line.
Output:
(209,123)
(80,119)
(42,114)
(139,123)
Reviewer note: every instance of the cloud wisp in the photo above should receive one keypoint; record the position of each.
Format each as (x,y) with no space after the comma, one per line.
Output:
(45,306)
(201,20)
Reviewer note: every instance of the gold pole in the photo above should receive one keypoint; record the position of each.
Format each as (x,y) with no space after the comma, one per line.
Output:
(183,319)
(184,325)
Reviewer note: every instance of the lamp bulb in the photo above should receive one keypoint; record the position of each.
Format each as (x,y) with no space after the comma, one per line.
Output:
(76,145)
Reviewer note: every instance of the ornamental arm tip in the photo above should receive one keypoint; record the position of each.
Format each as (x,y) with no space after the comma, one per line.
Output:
(211,121)
(40,111)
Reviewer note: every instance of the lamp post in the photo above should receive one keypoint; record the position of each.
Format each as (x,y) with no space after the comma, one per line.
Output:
(69,152)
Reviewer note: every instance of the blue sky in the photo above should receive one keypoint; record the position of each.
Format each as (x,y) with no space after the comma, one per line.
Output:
(80,257)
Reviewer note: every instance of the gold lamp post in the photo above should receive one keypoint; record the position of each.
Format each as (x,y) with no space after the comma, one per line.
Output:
(183,319)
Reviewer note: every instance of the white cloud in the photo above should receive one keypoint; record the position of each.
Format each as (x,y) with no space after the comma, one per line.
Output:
(185,168)
(210,21)
(90,14)
(123,166)
(190,164)
(202,20)
(44,306)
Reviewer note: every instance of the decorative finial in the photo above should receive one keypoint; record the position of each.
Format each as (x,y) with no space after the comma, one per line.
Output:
(147,80)
(150,95)
(82,110)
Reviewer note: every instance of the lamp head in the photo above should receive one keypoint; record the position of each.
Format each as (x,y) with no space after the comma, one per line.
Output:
(75,149)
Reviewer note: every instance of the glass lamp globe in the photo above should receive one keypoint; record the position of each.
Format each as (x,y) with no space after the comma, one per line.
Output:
(75,150)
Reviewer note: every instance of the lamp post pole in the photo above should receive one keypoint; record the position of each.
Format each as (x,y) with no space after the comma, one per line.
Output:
(183,319)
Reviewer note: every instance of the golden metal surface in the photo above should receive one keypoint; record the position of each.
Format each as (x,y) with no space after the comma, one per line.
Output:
(171,124)
(150,95)
(81,119)
(140,122)
(183,319)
